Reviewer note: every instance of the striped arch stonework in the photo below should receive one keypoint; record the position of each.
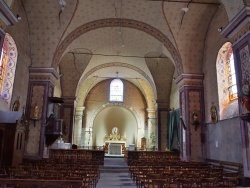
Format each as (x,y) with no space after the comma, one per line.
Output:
(118,22)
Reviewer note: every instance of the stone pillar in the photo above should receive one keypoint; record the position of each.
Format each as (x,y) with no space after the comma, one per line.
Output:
(163,120)
(78,125)
(239,33)
(67,114)
(192,116)
(41,86)
(152,123)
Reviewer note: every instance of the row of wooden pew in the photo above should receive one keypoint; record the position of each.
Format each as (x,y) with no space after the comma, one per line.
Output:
(52,173)
(149,170)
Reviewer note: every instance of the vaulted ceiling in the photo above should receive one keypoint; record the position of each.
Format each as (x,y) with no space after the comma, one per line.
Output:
(143,41)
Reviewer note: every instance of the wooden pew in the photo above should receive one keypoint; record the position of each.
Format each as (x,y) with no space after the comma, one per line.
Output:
(28,183)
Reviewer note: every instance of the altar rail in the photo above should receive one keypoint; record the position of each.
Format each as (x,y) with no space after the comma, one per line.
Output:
(77,155)
(132,156)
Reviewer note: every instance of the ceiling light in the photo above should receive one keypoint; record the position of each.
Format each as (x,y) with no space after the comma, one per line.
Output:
(185,9)
(62,3)
(220,29)
(18,17)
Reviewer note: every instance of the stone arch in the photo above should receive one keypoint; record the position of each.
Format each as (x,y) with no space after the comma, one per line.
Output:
(118,22)
(150,81)
(139,122)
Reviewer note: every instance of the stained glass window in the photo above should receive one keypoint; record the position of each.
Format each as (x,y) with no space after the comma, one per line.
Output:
(8,62)
(3,63)
(116,91)
(226,82)
(232,79)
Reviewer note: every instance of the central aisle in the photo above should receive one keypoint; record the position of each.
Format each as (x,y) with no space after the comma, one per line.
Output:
(115,173)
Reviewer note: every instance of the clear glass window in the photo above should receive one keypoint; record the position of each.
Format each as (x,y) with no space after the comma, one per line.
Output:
(116,91)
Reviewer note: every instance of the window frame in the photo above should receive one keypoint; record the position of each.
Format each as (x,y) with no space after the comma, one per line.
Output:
(116,95)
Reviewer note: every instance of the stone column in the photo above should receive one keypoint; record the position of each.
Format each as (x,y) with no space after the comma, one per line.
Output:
(41,86)
(192,116)
(67,114)
(238,32)
(78,125)
(152,122)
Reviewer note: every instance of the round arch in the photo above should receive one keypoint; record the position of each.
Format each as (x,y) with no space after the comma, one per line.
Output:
(140,125)
(118,22)
(139,122)
(144,74)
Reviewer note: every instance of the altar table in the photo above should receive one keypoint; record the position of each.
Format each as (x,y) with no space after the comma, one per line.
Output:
(115,147)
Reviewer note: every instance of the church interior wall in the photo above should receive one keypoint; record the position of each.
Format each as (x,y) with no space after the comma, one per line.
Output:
(99,96)
(223,138)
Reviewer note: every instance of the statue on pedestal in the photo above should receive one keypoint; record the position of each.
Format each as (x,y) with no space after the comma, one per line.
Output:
(115,135)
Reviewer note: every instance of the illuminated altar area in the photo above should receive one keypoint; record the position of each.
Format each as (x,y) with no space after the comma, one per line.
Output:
(115,144)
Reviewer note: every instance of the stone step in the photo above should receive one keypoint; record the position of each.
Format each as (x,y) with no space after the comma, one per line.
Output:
(114,169)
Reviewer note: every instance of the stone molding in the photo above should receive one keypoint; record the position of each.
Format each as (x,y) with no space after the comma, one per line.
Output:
(43,74)
(190,80)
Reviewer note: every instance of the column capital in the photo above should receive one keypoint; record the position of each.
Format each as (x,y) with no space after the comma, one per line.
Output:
(43,74)
(79,110)
(190,80)
(150,110)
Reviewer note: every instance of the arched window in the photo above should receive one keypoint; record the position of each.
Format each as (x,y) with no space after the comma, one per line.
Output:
(116,91)
(7,69)
(232,87)
(226,79)
(3,63)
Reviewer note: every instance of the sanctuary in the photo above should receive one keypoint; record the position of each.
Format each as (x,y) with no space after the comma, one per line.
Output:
(115,144)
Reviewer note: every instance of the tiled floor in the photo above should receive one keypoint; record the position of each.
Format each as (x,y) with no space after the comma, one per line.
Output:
(115,173)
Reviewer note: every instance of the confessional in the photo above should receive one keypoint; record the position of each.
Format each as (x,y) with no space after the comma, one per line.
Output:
(13,127)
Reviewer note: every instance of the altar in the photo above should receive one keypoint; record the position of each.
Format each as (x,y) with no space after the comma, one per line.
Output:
(115,147)
(115,144)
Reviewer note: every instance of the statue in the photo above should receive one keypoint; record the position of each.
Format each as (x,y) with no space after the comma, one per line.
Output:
(246,98)
(195,120)
(115,130)
(36,112)
(124,136)
(213,113)
(115,135)
(16,105)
